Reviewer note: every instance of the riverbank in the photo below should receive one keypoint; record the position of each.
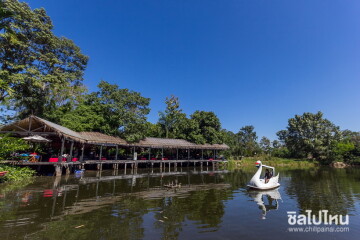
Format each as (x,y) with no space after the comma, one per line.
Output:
(276,162)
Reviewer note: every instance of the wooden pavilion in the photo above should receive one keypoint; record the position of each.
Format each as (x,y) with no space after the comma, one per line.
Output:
(62,137)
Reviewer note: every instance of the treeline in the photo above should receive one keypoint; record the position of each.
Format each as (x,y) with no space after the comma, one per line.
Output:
(307,136)
(42,74)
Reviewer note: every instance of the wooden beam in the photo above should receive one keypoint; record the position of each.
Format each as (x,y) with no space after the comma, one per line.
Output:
(20,128)
(37,128)
(30,122)
(27,132)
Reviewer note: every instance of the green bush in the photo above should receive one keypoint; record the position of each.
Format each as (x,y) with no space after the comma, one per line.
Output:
(16,173)
(9,145)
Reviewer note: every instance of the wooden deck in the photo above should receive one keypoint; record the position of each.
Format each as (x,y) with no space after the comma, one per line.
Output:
(91,162)
(116,164)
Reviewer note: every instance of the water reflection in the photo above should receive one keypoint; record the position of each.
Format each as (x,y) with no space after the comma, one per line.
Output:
(267,200)
(209,204)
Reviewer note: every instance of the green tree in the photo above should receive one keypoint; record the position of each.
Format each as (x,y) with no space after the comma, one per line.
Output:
(310,135)
(342,151)
(247,141)
(9,145)
(173,118)
(265,145)
(231,139)
(153,130)
(111,110)
(348,149)
(45,71)
(209,126)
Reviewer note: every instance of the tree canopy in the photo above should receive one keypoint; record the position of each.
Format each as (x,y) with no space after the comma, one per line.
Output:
(310,135)
(202,127)
(110,110)
(209,127)
(38,70)
(172,119)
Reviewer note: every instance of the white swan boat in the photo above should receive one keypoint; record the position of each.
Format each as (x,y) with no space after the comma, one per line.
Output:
(257,182)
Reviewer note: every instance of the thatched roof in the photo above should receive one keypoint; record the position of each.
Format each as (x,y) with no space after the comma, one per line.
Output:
(96,137)
(35,125)
(177,143)
(39,126)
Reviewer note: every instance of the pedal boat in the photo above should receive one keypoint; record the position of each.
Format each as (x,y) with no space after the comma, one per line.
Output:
(258,183)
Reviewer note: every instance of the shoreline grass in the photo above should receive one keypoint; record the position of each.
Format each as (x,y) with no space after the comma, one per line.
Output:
(273,161)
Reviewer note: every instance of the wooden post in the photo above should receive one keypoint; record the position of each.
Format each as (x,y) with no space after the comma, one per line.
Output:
(62,150)
(149,153)
(71,152)
(162,153)
(116,154)
(202,154)
(82,152)
(100,155)
(189,154)
(125,169)
(67,168)
(177,154)
(58,170)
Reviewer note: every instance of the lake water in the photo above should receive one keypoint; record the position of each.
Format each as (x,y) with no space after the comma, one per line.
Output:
(209,205)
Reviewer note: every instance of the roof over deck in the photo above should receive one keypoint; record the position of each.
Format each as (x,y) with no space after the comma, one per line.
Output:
(34,125)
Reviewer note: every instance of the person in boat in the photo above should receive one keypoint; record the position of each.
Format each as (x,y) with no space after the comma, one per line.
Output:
(268,175)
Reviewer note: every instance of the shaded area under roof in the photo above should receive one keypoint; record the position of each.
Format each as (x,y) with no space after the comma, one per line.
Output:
(35,125)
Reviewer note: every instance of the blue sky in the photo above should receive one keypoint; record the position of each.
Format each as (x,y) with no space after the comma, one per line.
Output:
(251,62)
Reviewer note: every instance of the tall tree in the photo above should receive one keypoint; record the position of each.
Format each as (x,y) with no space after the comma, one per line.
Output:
(265,145)
(173,117)
(45,71)
(231,140)
(310,135)
(209,126)
(247,140)
(111,110)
